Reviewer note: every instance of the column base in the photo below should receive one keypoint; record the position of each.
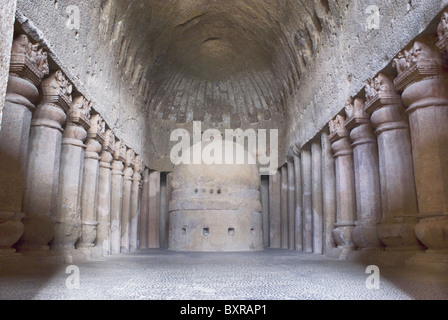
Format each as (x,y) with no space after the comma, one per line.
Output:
(11,228)
(432,230)
(383,257)
(342,234)
(340,253)
(435,260)
(399,235)
(124,250)
(366,237)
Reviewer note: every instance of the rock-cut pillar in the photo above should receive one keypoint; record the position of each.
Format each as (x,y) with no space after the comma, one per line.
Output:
(68,209)
(127,194)
(28,66)
(104,193)
(367,179)
(316,199)
(143,218)
(117,197)
(291,202)
(89,211)
(298,234)
(307,200)
(42,171)
(424,82)
(345,185)
(398,195)
(135,203)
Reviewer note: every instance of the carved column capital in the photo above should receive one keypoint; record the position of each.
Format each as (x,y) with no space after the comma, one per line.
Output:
(358,123)
(96,137)
(423,60)
(129,164)
(383,103)
(296,150)
(108,149)
(78,122)
(28,61)
(138,170)
(339,137)
(442,32)
(355,114)
(56,101)
(119,158)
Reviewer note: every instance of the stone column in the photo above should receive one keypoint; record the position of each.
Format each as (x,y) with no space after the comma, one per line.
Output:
(274,210)
(154,211)
(116,202)
(42,171)
(68,209)
(398,195)
(345,185)
(328,192)
(291,203)
(424,82)
(7,12)
(284,207)
(135,203)
(264,199)
(307,204)
(126,208)
(89,206)
(317,209)
(143,221)
(104,193)
(298,211)
(368,196)
(28,67)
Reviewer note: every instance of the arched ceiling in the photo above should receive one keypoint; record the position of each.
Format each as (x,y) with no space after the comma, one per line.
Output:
(234,61)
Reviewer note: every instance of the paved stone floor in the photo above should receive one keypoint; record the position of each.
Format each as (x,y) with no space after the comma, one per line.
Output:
(267,275)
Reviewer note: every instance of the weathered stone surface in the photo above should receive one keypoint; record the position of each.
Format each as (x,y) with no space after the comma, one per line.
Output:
(216,207)
(7,12)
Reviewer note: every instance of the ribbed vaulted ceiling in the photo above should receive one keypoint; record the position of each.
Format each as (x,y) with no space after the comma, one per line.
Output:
(219,61)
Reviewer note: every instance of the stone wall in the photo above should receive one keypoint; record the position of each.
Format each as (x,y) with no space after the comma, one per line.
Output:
(91,60)
(349,55)
(7,11)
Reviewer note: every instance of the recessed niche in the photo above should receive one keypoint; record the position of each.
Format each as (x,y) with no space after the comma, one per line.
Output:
(231,231)
(206,232)
(184,231)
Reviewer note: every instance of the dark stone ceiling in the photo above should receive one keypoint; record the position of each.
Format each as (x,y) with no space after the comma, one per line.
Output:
(222,61)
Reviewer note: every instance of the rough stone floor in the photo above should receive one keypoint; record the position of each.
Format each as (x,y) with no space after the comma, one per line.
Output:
(267,275)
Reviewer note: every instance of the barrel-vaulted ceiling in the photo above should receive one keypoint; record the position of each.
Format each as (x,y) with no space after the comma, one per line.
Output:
(219,61)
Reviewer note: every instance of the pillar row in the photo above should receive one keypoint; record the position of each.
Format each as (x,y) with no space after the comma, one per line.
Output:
(42,171)
(298,234)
